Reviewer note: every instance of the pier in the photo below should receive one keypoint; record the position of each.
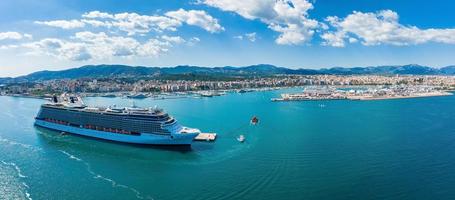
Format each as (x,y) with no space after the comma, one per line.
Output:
(366,93)
(209,137)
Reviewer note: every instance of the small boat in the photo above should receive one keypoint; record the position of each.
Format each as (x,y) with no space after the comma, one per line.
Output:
(206,94)
(254,120)
(241,138)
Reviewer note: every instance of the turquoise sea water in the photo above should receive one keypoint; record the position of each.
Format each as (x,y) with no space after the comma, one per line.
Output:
(391,149)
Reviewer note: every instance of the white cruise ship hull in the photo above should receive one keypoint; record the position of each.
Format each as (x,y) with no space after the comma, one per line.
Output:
(143,138)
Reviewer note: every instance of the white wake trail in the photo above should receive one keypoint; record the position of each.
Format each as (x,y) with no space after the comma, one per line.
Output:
(99,176)
(14,143)
(20,175)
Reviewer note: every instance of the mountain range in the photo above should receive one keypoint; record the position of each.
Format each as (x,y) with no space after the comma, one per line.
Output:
(124,71)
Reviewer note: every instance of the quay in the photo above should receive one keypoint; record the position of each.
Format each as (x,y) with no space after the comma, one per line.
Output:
(369,93)
(209,137)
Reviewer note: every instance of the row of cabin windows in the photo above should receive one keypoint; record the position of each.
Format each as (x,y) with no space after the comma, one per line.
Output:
(141,127)
(93,127)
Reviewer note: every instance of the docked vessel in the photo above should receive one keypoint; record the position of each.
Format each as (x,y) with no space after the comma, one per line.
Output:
(130,125)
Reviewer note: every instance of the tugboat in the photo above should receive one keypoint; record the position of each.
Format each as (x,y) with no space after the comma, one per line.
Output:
(254,120)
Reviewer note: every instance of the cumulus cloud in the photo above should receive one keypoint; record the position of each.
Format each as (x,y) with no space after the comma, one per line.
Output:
(134,23)
(197,18)
(173,39)
(378,28)
(97,14)
(288,17)
(60,49)
(249,36)
(88,45)
(14,36)
(64,24)
(121,39)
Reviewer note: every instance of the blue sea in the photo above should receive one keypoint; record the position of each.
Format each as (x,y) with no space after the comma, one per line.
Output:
(386,149)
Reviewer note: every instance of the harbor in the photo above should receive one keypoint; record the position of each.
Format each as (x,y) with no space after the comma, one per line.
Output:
(395,86)
(363,93)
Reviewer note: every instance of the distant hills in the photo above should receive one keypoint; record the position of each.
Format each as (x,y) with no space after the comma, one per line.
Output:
(124,71)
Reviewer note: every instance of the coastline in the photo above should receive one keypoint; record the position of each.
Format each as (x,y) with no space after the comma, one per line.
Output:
(173,95)
(160,95)
(422,95)
(370,97)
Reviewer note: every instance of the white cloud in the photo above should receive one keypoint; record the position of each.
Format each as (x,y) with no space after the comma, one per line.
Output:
(153,47)
(335,39)
(60,49)
(8,47)
(381,27)
(249,36)
(14,36)
(101,45)
(192,41)
(197,18)
(287,17)
(173,39)
(88,45)
(64,24)
(134,23)
(97,14)
(97,23)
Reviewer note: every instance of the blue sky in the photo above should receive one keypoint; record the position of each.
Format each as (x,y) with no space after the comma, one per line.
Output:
(54,34)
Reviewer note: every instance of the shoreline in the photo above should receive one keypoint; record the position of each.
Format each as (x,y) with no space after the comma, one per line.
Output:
(352,98)
(371,98)
(433,94)
(162,95)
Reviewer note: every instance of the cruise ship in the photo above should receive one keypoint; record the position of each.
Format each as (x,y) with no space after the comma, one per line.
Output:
(130,125)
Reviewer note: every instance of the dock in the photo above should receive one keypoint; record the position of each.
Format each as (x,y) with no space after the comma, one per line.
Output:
(209,137)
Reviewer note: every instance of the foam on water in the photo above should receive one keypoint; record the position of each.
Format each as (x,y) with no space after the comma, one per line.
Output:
(20,175)
(18,170)
(14,143)
(99,176)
